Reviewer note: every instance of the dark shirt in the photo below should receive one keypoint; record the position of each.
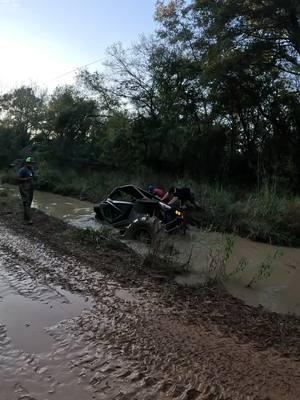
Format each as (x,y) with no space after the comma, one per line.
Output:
(25,172)
(183,194)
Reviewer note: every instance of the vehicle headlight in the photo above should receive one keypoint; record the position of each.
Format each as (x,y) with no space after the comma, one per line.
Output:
(179,213)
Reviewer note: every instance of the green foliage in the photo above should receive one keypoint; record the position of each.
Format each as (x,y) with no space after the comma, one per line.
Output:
(216,271)
(246,54)
(72,121)
(8,146)
(212,95)
(265,204)
(93,236)
(22,112)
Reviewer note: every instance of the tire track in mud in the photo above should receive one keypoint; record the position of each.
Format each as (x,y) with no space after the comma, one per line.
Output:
(130,345)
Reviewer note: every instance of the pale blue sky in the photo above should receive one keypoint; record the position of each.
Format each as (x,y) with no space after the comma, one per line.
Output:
(42,39)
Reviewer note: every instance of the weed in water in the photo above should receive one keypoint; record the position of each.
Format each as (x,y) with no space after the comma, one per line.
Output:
(241,266)
(265,269)
(217,259)
(216,272)
(163,257)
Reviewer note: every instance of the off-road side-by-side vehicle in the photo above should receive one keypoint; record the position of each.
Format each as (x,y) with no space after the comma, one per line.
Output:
(139,214)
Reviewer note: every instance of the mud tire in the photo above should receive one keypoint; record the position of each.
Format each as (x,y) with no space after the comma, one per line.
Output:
(99,217)
(143,230)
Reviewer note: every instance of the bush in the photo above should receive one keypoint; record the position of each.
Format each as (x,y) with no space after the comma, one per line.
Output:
(265,204)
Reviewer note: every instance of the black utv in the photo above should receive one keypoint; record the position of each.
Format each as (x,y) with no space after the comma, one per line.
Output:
(138,213)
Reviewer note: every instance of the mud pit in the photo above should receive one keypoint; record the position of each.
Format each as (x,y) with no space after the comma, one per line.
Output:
(278,293)
(114,332)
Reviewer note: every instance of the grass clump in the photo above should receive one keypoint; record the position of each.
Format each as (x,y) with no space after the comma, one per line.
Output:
(90,235)
(163,258)
(265,204)
(265,216)
(102,238)
(265,269)
(216,271)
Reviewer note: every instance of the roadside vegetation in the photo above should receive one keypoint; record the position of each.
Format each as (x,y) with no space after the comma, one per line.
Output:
(268,215)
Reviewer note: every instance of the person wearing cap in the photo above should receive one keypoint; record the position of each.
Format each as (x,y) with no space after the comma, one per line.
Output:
(25,178)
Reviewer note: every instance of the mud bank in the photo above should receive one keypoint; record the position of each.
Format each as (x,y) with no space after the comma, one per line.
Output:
(140,336)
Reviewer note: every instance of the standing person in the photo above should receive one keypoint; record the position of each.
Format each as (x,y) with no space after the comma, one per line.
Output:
(25,178)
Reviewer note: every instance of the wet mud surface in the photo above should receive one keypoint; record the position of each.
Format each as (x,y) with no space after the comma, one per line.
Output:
(80,321)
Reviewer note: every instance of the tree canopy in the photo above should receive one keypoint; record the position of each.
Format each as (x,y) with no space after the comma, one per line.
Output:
(213,93)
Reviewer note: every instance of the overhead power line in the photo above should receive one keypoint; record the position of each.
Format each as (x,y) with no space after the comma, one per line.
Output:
(75,69)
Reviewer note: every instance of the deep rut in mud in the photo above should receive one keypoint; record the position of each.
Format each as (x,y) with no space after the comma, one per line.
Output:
(105,340)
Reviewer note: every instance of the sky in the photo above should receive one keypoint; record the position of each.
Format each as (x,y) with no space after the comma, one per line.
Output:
(40,40)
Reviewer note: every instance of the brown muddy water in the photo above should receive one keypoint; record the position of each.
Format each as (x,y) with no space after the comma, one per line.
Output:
(48,344)
(273,270)
(75,212)
(33,364)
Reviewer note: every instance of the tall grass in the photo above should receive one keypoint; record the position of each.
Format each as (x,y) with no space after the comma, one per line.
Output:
(267,215)
(266,204)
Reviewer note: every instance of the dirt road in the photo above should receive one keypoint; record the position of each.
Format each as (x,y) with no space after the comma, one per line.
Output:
(80,322)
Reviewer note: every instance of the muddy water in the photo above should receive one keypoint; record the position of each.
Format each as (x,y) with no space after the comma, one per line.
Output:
(48,348)
(128,343)
(29,312)
(280,292)
(76,212)
(27,307)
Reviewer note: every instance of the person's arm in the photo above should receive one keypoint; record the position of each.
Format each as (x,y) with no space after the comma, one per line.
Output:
(165,197)
(173,200)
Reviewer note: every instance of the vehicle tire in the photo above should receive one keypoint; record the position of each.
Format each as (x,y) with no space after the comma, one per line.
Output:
(142,230)
(99,217)
(98,213)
